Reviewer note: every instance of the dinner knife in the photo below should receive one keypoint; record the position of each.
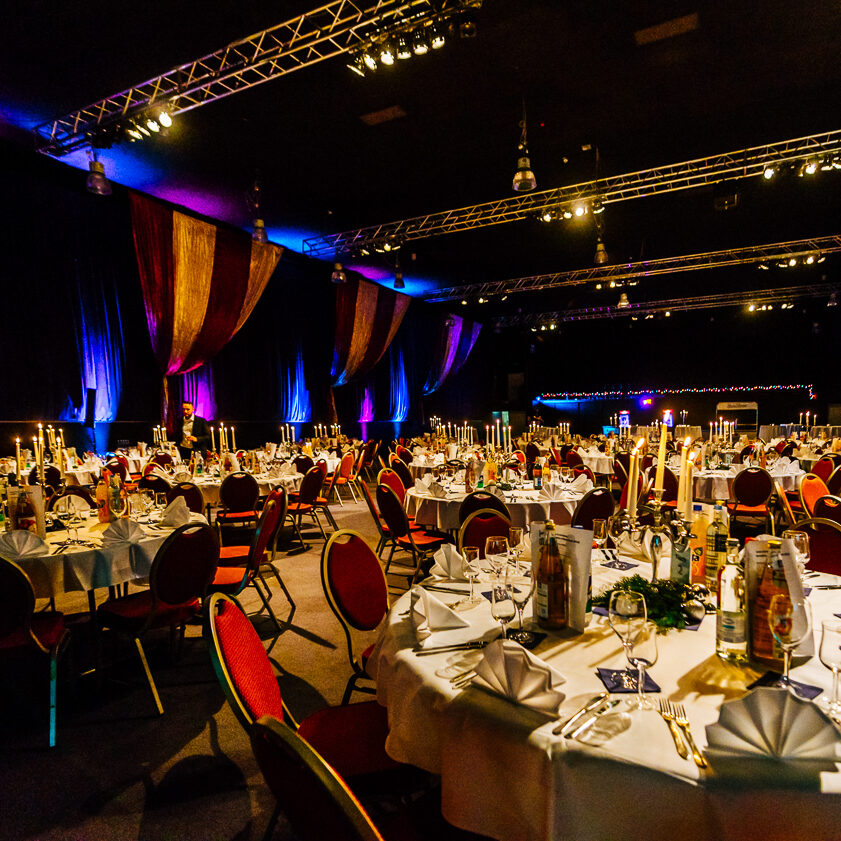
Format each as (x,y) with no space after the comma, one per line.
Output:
(597,713)
(595,701)
(456,646)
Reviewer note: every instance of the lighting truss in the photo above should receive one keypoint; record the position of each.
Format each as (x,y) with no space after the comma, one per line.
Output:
(729,299)
(799,249)
(742,163)
(317,35)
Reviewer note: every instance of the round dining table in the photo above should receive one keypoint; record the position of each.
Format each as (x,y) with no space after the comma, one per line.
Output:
(506,774)
(525,505)
(597,461)
(210,485)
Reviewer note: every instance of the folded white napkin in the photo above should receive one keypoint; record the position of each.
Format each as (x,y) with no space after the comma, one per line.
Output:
(436,489)
(581,484)
(271,449)
(784,460)
(448,563)
(553,491)
(430,614)
(507,669)
(421,487)
(21,544)
(438,458)
(182,476)
(123,531)
(495,490)
(176,513)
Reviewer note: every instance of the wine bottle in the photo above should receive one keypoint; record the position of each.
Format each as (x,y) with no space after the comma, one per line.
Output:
(469,477)
(763,646)
(698,544)
(716,553)
(102,511)
(537,475)
(731,642)
(25,513)
(552,582)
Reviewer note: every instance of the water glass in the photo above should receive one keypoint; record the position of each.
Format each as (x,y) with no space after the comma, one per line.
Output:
(830,656)
(642,653)
(599,533)
(470,554)
(626,614)
(515,542)
(801,548)
(496,553)
(521,588)
(502,605)
(790,621)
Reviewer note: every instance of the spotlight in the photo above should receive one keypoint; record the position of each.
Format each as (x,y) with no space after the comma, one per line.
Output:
(524,179)
(598,207)
(387,53)
(833,300)
(821,258)
(769,172)
(552,326)
(338,275)
(165,118)
(357,65)
(543,327)
(811,167)
(612,284)
(463,302)
(420,46)
(142,129)
(567,213)
(668,314)
(580,210)
(547,216)
(369,60)
(259,233)
(763,267)
(792,261)
(504,298)
(398,280)
(152,125)
(598,286)
(826,164)
(133,132)
(752,308)
(481,300)
(467,26)
(97,183)
(810,259)
(436,36)
(403,49)
(623,301)
(601,257)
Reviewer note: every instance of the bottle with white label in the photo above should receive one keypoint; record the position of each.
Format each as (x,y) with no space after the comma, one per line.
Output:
(731,641)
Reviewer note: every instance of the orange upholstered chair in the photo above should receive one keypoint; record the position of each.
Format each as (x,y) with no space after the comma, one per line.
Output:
(811,489)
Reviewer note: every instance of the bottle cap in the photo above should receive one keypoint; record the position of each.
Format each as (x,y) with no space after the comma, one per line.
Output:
(697,507)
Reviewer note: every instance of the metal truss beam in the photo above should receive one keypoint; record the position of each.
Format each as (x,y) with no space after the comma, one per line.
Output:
(742,163)
(800,249)
(302,41)
(758,298)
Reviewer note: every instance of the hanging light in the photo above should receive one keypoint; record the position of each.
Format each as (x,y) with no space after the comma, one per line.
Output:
(387,52)
(404,51)
(369,60)
(153,125)
(97,183)
(601,257)
(338,275)
(624,303)
(357,65)
(524,179)
(165,118)
(398,280)
(436,36)
(259,233)
(420,46)
(133,132)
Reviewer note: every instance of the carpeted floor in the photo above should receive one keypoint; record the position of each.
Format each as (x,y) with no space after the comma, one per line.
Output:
(119,771)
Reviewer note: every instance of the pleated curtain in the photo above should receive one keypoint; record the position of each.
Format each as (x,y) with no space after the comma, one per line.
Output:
(455,339)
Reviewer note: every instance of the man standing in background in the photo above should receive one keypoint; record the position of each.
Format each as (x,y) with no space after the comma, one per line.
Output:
(195,433)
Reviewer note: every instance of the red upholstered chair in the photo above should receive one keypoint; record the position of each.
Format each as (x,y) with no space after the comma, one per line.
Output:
(162,460)
(232,580)
(401,469)
(183,567)
(647,461)
(344,475)
(80,492)
(404,454)
(388,477)
(574,459)
(238,496)
(479,526)
(811,489)
(824,544)
(39,634)
(752,488)
(584,471)
(833,483)
(421,545)
(191,493)
(520,456)
(302,463)
(784,502)
(641,492)
(307,501)
(625,460)
(52,476)
(824,468)
(557,458)
(357,593)
(481,500)
(156,484)
(828,508)
(596,504)
(379,522)
(118,468)
(669,485)
(743,454)
(350,737)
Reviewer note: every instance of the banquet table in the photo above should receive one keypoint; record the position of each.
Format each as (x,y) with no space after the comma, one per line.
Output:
(505,775)
(524,505)
(718,484)
(597,462)
(209,485)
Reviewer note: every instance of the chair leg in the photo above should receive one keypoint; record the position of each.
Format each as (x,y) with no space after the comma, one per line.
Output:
(338,495)
(149,677)
(267,606)
(272,823)
(330,519)
(349,687)
(53,683)
(352,494)
(318,523)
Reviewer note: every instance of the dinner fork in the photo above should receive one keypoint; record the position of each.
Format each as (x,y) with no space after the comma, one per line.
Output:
(683,723)
(668,716)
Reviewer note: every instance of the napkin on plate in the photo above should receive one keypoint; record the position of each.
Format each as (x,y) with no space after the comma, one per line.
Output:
(507,669)
(495,490)
(123,531)
(436,489)
(421,486)
(430,614)
(176,513)
(182,476)
(448,563)
(553,491)
(581,484)
(21,544)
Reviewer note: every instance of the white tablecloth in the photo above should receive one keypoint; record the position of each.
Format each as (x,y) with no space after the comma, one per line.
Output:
(503,773)
(597,463)
(209,487)
(526,506)
(718,484)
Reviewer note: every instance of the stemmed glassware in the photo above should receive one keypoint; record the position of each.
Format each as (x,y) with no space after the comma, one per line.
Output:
(600,534)
(521,588)
(830,656)
(502,603)
(790,621)
(801,548)
(470,554)
(515,544)
(496,553)
(626,614)
(642,653)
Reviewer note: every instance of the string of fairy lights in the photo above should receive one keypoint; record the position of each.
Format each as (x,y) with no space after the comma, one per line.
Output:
(663,392)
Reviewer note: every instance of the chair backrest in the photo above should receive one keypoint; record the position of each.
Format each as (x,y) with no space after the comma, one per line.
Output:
(391,509)
(828,508)
(745,451)
(404,453)
(532,452)
(479,526)
(162,459)
(812,488)
(623,497)
(311,485)
(191,493)
(241,663)
(302,463)
(669,482)
(824,468)
(520,456)
(784,503)
(312,797)
(647,461)
(388,477)
(479,500)
(346,464)
(17,604)
(833,483)
(156,484)
(584,471)
(556,456)
(402,470)
(625,460)
(117,467)
(239,492)
(621,471)
(372,506)
(824,544)
(52,476)
(271,519)
(184,565)
(78,491)
(753,486)
(596,504)
(574,459)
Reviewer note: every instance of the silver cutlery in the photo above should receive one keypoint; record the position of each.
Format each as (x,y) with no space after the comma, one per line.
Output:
(456,646)
(463,680)
(667,714)
(440,588)
(683,723)
(593,703)
(594,716)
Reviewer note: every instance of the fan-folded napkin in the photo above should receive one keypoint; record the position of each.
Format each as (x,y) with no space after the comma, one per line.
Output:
(21,543)
(436,489)
(123,531)
(430,614)
(448,563)
(507,669)
(176,513)
(581,483)
(554,491)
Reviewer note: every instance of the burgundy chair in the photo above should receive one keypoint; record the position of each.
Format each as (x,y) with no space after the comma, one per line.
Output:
(823,468)
(357,593)
(161,459)
(745,452)
(811,489)
(22,630)
(191,493)
(52,476)
(481,500)
(532,454)
(404,454)
(402,470)
(584,471)
(80,492)
(350,737)
(238,497)
(596,504)
(385,535)
(833,483)
(479,526)
(302,463)
(824,544)
(647,461)
(574,459)
(118,468)
(752,488)
(670,485)
(828,508)
(641,492)
(387,476)
(307,501)
(183,568)
(156,484)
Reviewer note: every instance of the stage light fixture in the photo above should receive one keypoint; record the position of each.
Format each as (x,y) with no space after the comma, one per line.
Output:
(752,308)
(524,179)
(601,257)
(387,53)
(580,210)
(598,286)
(833,300)
(96,182)
(152,125)
(552,326)
(810,167)
(420,46)
(436,36)
(338,275)
(567,213)
(165,118)
(404,51)
(357,65)
(598,207)
(142,129)
(259,233)
(623,301)
(763,267)
(792,261)
(769,172)
(369,60)
(668,314)
(133,132)
(463,302)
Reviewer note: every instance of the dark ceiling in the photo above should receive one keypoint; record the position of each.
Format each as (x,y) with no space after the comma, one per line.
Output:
(751,73)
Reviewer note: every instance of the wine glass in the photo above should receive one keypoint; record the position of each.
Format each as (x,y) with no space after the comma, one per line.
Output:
(496,553)
(801,548)
(502,605)
(470,554)
(566,474)
(626,615)
(600,534)
(642,653)
(790,621)
(521,588)
(515,543)
(830,656)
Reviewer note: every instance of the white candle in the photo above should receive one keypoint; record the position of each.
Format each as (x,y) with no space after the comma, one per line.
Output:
(661,460)
(633,472)
(17,458)
(293,432)
(681,485)
(212,439)
(689,492)
(234,437)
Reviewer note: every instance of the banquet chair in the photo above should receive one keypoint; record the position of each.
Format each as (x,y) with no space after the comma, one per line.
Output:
(596,504)
(182,569)
(351,737)
(238,496)
(752,489)
(357,592)
(369,453)
(833,483)
(811,489)
(556,456)
(824,544)
(118,468)
(385,535)
(306,502)
(404,454)
(625,460)
(823,468)
(23,630)
(532,454)
(743,454)
(342,476)
(402,470)
(190,492)
(565,449)
(322,500)
(647,461)
(479,526)
(788,449)
(78,491)
(520,456)
(421,545)
(52,477)
(574,459)
(161,459)
(302,463)
(642,492)
(154,483)
(828,508)
(670,485)
(479,500)
(388,477)
(232,580)
(785,507)
(584,471)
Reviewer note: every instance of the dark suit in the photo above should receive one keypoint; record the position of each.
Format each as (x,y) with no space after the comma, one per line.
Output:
(201,432)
